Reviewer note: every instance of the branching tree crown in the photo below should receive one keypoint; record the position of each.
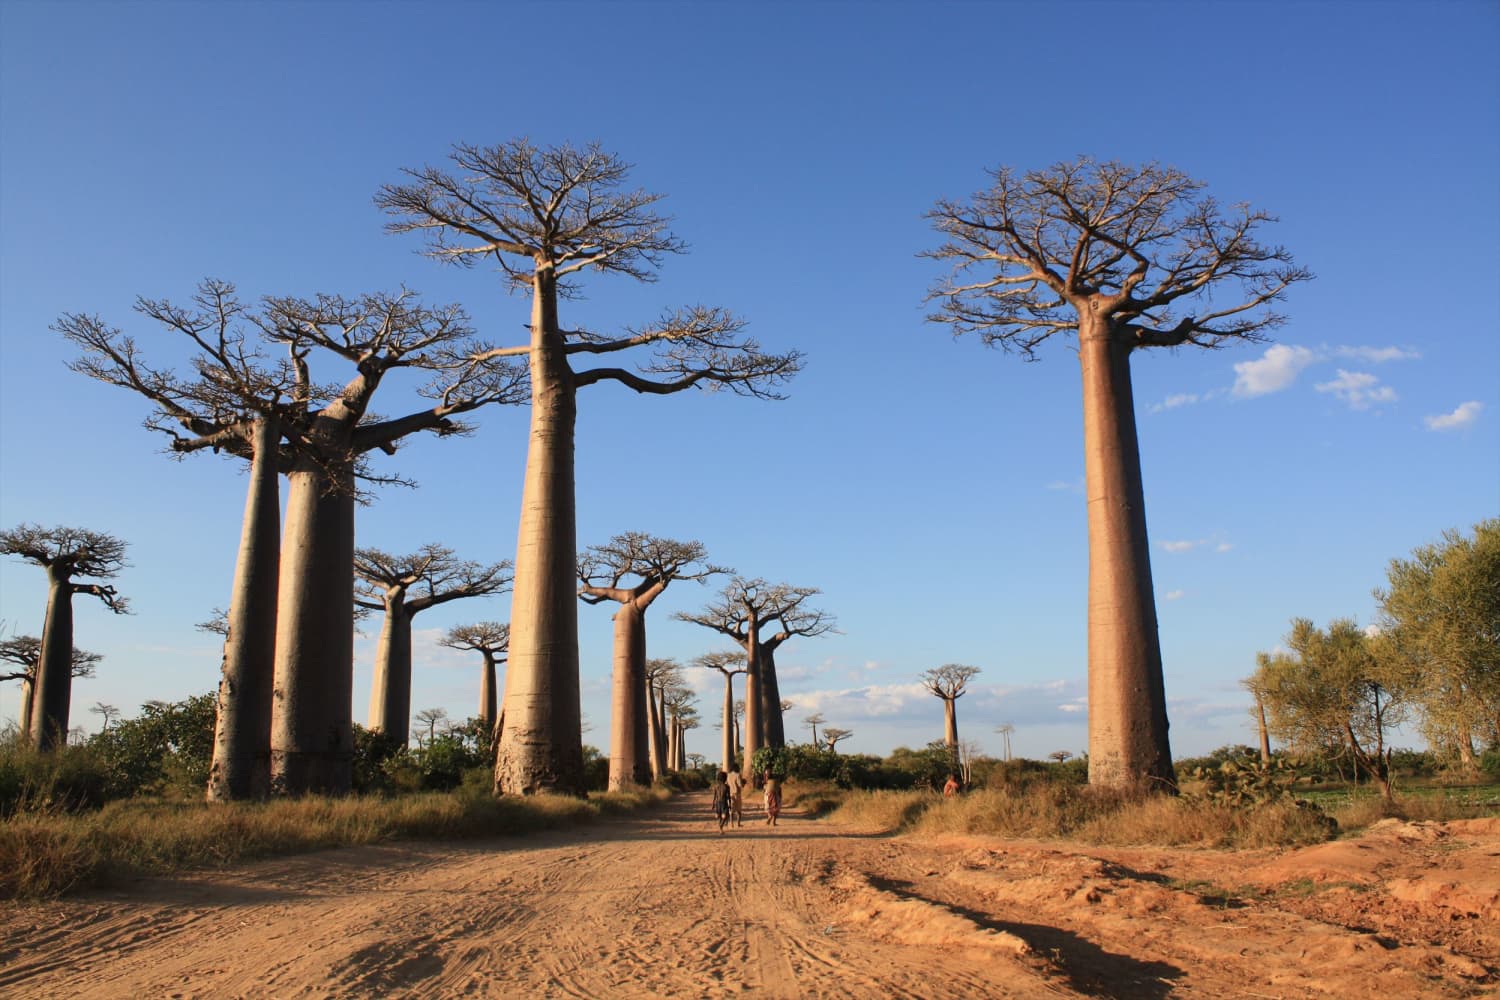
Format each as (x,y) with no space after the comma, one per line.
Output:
(950,681)
(1142,246)
(430,576)
(67,553)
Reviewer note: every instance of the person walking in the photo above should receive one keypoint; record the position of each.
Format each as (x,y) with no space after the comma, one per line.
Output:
(773,798)
(950,788)
(720,804)
(736,784)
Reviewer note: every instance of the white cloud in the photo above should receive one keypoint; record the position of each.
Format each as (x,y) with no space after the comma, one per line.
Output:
(1176,595)
(1360,390)
(1223,547)
(1376,355)
(1464,416)
(1175,400)
(1273,371)
(1183,546)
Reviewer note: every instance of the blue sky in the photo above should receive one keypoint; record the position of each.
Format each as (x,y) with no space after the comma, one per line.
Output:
(931,487)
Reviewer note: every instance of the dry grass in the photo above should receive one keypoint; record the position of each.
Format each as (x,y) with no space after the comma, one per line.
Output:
(49,854)
(1091,816)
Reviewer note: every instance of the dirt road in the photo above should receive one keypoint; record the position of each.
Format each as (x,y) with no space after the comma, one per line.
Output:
(660,906)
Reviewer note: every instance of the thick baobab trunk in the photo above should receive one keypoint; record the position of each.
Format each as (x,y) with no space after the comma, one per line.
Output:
(241,766)
(27,689)
(487,691)
(312,739)
(772,725)
(752,730)
(1127,697)
(542,746)
(52,697)
(950,724)
(674,744)
(629,760)
(390,687)
(727,747)
(656,742)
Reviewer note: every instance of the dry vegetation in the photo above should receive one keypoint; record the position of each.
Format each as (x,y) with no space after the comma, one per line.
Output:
(47,854)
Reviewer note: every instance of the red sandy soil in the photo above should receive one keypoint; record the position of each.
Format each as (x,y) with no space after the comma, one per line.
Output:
(661,905)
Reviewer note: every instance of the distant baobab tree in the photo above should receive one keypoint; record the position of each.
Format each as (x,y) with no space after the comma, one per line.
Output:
(66,554)
(490,640)
(1005,729)
(107,713)
(25,651)
(743,611)
(403,587)
(544,215)
(729,663)
(949,682)
(813,722)
(1123,258)
(1061,756)
(834,736)
(632,570)
(660,674)
(429,717)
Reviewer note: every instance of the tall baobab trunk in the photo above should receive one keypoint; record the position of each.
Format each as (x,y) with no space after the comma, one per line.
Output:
(1127,698)
(629,758)
(772,725)
(241,766)
(28,694)
(727,748)
(657,743)
(753,702)
(312,738)
(53,694)
(390,687)
(1262,731)
(487,691)
(542,746)
(950,724)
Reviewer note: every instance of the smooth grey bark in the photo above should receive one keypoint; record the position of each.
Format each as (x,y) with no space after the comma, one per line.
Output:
(629,736)
(390,686)
(487,689)
(773,723)
(312,732)
(542,746)
(657,744)
(1128,741)
(726,749)
(53,693)
(28,695)
(241,767)
(754,732)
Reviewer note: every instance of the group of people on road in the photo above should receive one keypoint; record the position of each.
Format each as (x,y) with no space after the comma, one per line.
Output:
(729,798)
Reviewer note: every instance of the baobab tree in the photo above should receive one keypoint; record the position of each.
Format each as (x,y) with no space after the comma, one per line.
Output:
(660,673)
(743,609)
(833,736)
(236,405)
(632,570)
(729,663)
(490,640)
(1005,729)
(403,587)
(107,713)
(428,717)
(813,722)
(1122,258)
(949,682)
(545,215)
(311,729)
(25,651)
(65,553)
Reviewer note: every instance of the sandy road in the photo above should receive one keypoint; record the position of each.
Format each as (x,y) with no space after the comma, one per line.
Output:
(659,905)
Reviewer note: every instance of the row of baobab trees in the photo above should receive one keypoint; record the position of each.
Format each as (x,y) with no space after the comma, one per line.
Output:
(1120,257)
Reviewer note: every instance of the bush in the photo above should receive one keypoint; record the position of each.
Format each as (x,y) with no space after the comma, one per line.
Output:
(167,749)
(69,779)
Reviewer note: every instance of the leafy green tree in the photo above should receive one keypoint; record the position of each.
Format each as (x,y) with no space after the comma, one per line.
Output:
(1441,614)
(169,746)
(1336,687)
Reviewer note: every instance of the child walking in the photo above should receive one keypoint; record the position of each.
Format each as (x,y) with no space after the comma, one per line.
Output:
(720,804)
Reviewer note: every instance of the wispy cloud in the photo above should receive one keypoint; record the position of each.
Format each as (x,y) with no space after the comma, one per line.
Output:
(1182,546)
(1176,595)
(1066,486)
(1464,416)
(1223,547)
(1360,390)
(1273,371)
(1376,355)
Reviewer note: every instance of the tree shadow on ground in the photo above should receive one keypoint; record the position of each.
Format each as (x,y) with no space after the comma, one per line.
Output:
(1088,968)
